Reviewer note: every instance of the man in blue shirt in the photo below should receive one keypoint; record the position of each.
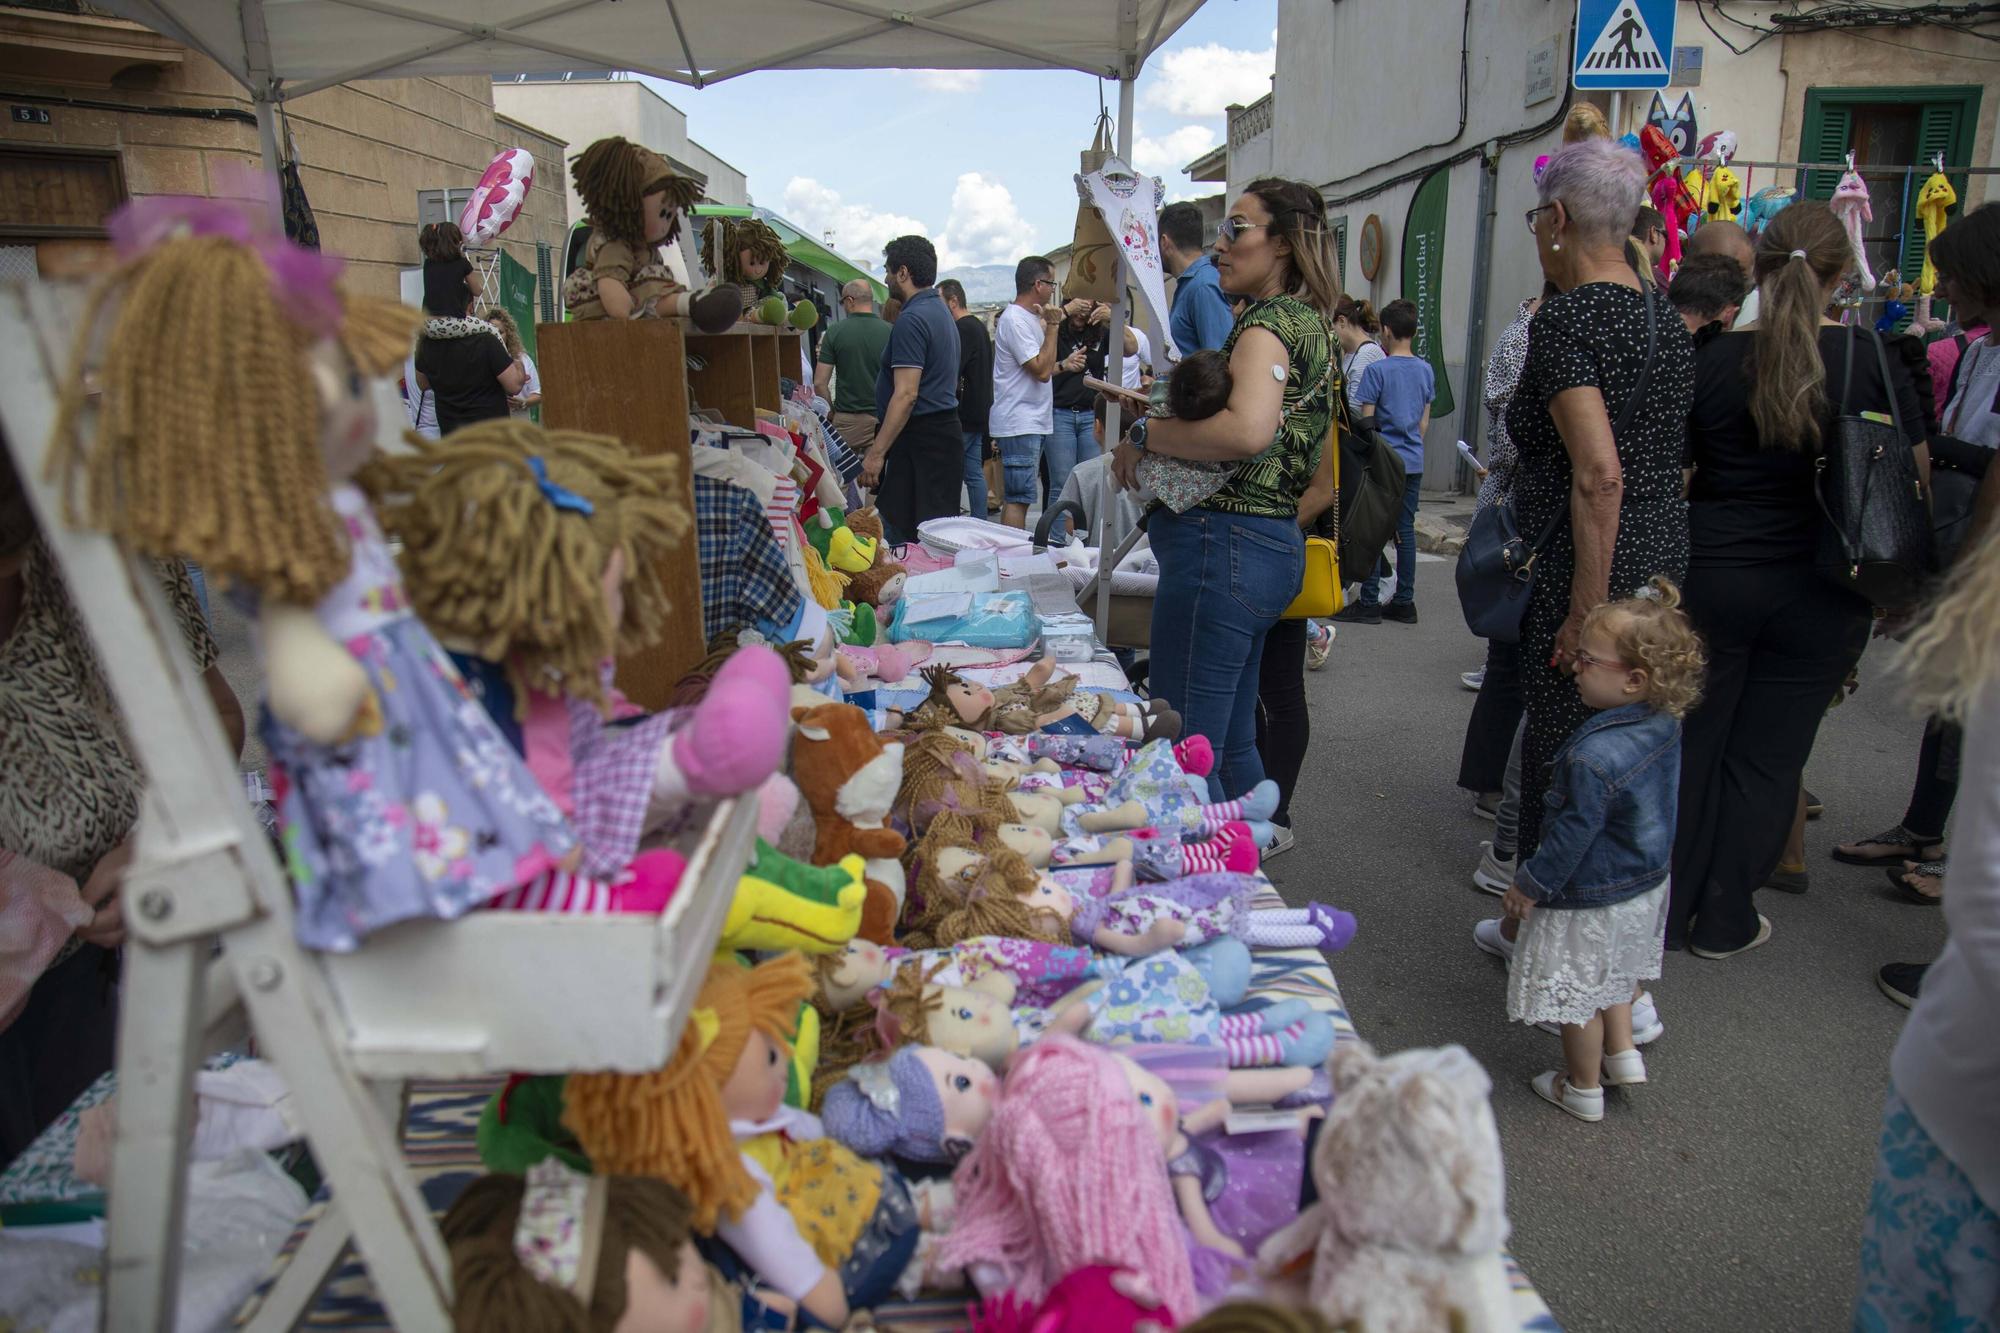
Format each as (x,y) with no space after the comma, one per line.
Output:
(913,464)
(1394,397)
(1200,319)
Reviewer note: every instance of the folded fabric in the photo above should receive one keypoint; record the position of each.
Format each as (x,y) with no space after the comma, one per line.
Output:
(245,1106)
(40,909)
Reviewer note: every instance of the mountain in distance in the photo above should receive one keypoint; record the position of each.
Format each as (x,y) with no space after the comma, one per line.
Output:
(985,284)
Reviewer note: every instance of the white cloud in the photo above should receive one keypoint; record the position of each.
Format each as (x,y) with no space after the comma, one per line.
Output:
(1202,80)
(947,80)
(859,232)
(1168,153)
(985,226)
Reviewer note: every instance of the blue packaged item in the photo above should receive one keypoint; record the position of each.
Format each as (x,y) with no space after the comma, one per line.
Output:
(983,620)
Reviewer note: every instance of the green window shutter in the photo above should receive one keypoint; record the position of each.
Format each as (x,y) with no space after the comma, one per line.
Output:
(1941,130)
(1827,134)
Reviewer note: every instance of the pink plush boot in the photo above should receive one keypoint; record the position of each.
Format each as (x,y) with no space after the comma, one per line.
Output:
(1239,847)
(737,735)
(1196,755)
(647,885)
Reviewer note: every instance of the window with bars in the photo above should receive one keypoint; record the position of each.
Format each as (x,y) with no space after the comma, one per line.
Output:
(442,205)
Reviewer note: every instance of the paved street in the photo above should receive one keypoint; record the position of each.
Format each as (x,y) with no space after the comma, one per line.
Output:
(1727,1193)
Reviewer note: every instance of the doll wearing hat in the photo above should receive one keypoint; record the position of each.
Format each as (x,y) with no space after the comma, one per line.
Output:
(538,556)
(634,201)
(749,253)
(807,1217)
(1038,701)
(228,431)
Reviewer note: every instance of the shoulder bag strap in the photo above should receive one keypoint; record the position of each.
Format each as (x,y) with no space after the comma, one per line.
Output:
(1632,402)
(1888,384)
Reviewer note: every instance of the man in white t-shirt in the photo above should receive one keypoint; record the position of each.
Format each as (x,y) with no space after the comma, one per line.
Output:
(1024,360)
(1135,365)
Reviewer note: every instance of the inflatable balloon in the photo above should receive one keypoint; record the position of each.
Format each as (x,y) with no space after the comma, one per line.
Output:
(497,197)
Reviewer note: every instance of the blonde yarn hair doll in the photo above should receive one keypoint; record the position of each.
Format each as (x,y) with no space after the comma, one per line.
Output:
(634,202)
(808,1217)
(537,556)
(234,413)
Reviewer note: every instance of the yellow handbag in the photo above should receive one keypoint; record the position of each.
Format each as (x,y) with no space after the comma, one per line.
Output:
(1320,591)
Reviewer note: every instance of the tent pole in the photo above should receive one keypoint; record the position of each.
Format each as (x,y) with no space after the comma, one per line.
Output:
(267,127)
(1114,371)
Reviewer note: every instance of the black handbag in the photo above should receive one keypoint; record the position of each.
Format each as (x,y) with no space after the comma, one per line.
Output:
(1877,539)
(1496,566)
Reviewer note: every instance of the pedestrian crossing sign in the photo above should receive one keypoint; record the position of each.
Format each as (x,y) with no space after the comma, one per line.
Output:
(1623,44)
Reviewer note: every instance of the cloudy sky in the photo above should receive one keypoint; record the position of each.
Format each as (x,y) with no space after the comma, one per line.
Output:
(981,162)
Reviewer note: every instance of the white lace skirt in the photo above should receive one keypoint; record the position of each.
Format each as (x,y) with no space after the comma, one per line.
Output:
(1570,964)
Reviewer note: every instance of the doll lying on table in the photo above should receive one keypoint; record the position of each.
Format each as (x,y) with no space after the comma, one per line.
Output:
(634,201)
(558,1251)
(1039,701)
(397,797)
(536,556)
(807,1217)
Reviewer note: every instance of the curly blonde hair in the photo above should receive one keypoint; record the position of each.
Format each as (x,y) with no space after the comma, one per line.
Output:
(491,558)
(1954,651)
(1656,636)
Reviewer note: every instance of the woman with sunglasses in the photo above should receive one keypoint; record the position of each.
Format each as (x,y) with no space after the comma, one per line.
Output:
(1230,566)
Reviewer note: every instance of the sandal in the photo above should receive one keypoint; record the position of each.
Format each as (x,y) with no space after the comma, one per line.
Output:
(1906,879)
(1885,848)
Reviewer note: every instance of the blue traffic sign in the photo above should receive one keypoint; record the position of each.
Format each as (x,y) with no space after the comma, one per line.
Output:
(1623,44)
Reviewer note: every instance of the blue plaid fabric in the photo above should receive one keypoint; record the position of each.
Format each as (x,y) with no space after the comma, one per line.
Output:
(744,578)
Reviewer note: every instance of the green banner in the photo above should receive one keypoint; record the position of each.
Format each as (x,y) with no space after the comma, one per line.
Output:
(1423,277)
(517,297)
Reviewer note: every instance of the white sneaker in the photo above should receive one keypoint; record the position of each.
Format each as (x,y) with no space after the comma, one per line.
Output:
(1494,874)
(1646,1024)
(1624,1068)
(1281,844)
(1319,645)
(1584,1104)
(1489,939)
(1472,680)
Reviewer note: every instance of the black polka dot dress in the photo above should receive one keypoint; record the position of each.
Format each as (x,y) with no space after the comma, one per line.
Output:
(1594,335)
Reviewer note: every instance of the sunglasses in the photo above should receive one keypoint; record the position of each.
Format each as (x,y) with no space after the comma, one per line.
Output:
(1232,228)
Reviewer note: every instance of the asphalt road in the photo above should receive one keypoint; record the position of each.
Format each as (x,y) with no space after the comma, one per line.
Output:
(1726,1193)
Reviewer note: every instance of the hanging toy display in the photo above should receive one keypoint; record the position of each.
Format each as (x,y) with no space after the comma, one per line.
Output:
(1934,200)
(1723,196)
(1669,195)
(1850,203)
(634,202)
(1764,205)
(749,253)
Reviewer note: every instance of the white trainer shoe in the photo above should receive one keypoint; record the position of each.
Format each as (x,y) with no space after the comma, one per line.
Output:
(1646,1024)
(1623,1068)
(1488,937)
(1494,874)
(1472,680)
(1584,1104)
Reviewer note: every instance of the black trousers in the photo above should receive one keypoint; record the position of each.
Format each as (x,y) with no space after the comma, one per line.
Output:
(1496,716)
(1937,780)
(65,1036)
(1284,726)
(922,475)
(1780,641)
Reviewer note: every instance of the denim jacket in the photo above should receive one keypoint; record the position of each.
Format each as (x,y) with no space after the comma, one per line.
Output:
(1609,831)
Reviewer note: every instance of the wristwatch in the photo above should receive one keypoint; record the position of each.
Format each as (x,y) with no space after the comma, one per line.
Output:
(1136,436)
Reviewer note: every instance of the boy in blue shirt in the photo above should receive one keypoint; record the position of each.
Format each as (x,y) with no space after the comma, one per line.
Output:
(1394,397)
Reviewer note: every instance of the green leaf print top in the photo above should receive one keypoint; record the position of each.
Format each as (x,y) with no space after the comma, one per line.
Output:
(1271,483)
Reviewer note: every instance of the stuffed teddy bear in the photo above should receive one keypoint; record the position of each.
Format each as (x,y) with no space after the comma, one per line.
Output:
(879,583)
(1406,1235)
(849,778)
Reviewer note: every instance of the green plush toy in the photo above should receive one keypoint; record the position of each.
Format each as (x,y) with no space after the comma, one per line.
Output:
(782,903)
(855,623)
(522,1123)
(804,315)
(820,536)
(770,310)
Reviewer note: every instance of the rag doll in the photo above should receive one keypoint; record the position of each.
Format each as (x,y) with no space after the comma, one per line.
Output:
(537,557)
(1174,798)
(921,1103)
(560,1251)
(1407,1233)
(1039,701)
(1015,971)
(1069,1171)
(941,775)
(749,253)
(1159,856)
(972,1021)
(1106,909)
(397,796)
(957,874)
(808,1218)
(634,202)
(849,778)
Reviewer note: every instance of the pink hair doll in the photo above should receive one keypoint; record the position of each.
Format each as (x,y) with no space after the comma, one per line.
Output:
(1069,1173)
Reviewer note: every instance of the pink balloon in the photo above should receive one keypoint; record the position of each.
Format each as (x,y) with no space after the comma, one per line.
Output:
(498,196)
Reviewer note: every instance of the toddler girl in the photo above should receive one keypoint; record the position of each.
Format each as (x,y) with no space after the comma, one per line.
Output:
(1592,900)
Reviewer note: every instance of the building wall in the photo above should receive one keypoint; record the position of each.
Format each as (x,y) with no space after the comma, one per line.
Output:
(365,149)
(1361,84)
(585,111)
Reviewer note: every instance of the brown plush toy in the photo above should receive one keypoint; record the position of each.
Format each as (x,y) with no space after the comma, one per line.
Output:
(850,778)
(881,584)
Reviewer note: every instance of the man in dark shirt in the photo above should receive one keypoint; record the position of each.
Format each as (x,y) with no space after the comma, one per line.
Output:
(975,391)
(1083,344)
(913,465)
(466,365)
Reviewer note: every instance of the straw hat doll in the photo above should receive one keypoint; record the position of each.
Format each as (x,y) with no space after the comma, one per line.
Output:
(537,556)
(234,414)
(749,253)
(634,202)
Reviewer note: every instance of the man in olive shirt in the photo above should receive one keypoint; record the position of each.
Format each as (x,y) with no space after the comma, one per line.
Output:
(850,355)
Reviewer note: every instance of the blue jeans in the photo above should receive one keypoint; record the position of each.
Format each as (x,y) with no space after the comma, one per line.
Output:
(1406,552)
(1225,579)
(1074,440)
(975,473)
(1021,467)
